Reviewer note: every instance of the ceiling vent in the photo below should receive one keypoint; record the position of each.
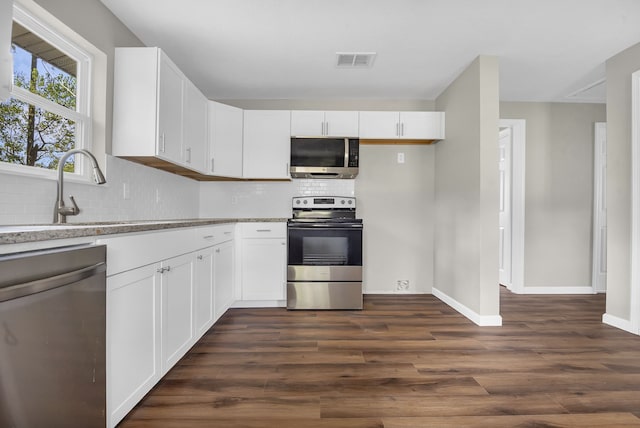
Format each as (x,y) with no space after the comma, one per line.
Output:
(355,59)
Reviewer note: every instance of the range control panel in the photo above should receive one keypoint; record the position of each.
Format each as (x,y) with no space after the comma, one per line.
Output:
(323,202)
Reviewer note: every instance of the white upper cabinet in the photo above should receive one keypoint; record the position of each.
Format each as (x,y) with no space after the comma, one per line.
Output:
(225,140)
(195,127)
(324,123)
(413,125)
(6,71)
(267,144)
(157,111)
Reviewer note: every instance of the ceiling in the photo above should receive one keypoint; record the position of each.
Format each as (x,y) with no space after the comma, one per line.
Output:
(549,50)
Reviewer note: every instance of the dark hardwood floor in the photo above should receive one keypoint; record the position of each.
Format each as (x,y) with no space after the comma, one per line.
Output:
(405,361)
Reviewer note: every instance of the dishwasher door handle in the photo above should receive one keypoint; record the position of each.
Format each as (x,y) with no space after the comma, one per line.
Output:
(44,284)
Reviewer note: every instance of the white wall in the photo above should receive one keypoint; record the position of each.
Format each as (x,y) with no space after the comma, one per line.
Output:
(466,194)
(559,192)
(619,70)
(395,202)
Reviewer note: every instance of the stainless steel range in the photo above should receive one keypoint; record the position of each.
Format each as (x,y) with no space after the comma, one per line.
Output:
(324,254)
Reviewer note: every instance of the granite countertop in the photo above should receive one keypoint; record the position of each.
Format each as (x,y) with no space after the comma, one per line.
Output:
(16,234)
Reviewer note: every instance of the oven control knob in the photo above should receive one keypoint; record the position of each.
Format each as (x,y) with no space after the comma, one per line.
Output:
(297,201)
(342,202)
(305,202)
(350,202)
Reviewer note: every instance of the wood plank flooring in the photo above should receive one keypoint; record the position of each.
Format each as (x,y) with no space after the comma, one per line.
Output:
(405,361)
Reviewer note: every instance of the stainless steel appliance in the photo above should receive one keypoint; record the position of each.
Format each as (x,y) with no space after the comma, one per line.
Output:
(324,254)
(324,157)
(52,338)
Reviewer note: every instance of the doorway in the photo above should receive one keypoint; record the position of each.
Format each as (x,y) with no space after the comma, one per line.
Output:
(512,134)
(599,263)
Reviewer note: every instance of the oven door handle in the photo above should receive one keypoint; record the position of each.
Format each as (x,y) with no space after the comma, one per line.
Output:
(325,226)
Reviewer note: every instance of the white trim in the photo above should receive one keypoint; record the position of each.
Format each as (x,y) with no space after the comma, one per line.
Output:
(559,290)
(91,72)
(481,320)
(599,157)
(618,323)
(634,310)
(518,150)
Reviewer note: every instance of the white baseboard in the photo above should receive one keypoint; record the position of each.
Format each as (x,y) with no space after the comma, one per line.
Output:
(620,323)
(557,290)
(481,320)
(387,292)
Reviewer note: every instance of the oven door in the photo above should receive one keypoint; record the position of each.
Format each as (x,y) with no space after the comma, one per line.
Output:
(324,251)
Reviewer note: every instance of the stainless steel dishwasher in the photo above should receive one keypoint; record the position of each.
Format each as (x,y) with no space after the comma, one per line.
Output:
(52,337)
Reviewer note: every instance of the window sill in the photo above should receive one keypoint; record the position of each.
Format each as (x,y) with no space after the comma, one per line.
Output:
(44,174)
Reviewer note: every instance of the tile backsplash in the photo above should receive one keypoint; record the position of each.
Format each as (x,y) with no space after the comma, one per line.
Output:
(247,199)
(156,195)
(152,195)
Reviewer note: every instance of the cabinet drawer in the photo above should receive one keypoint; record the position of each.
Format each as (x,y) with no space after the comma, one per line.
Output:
(264,230)
(131,251)
(207,236)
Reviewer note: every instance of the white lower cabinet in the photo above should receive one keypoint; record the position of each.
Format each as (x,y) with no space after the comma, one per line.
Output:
(224,278)
(177,284)
(134,362)
(263,261)
(164,291)
(203,309)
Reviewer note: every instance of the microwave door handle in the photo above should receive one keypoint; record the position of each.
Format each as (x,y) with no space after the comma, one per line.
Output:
(346,152)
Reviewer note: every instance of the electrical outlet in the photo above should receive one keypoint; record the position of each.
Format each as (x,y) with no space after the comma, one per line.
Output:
(400,157)
(402,285)
(234,200)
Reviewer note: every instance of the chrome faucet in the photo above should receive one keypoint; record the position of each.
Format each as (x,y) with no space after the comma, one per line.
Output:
(61,211)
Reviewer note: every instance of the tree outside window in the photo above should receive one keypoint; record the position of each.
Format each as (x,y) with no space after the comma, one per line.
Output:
(40,122)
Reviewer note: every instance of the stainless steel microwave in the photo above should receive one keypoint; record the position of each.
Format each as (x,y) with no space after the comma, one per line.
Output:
(324,157)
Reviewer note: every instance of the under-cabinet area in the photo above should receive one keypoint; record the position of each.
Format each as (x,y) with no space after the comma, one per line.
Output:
(166,288)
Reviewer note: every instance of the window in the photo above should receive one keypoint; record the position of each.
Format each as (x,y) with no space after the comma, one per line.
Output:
(48,112)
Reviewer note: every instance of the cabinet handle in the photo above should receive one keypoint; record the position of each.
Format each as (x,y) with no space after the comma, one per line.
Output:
(218,250)
(207,237)
(227,233)
(160,270)
(326,128)
(321,128)
(397,129)
(162,142)
(188,154)
(402,129)
(287,172)
(200,257)
(168,268)
(263,230)
(212,164)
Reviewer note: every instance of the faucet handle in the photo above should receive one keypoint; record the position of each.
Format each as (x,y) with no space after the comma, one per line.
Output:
(75,210)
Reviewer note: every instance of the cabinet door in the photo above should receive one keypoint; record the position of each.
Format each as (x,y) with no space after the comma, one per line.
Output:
(421,125)
(224,279)
(177,309)
(267,142)
(203,291)
(263,269)
(307,123)
(133,339)
(341,123)
(379,124)
(195,141)
(225,140)
(170,88)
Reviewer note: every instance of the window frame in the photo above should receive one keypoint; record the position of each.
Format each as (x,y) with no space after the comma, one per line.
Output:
(47,30)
